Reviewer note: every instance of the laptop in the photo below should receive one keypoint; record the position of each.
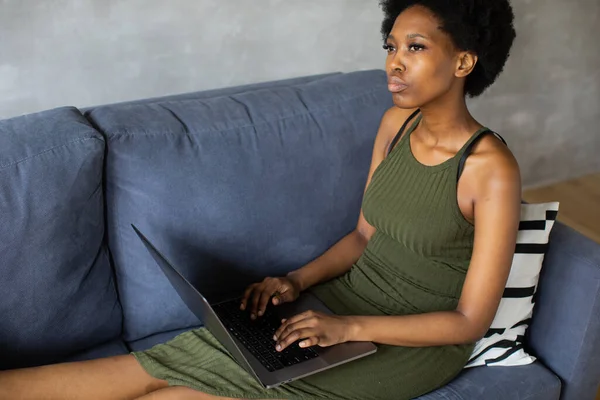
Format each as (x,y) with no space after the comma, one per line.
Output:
(250,342)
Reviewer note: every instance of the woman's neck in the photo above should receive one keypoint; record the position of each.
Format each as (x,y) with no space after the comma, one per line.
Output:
(447,118)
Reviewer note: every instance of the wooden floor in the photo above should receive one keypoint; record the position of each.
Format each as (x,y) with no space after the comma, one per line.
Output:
(579,205)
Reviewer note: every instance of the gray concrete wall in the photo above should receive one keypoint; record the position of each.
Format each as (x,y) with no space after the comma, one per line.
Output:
(547,102)
(89,52)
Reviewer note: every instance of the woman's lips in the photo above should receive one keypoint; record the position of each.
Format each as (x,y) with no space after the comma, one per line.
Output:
(396,85)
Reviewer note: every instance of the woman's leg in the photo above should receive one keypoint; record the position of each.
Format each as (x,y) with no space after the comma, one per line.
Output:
(180,393)
(112,378)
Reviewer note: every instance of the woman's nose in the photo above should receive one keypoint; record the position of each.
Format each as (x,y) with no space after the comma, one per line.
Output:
(396,64)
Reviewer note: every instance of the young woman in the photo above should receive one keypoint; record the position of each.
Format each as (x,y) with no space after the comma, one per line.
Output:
(421,275)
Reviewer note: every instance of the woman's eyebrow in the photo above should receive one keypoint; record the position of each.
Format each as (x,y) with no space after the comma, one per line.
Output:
(416,35)
(409,36)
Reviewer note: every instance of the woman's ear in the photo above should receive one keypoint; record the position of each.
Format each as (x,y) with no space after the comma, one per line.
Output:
(466,63)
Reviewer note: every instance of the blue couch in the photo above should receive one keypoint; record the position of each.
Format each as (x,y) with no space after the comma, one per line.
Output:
(232,185)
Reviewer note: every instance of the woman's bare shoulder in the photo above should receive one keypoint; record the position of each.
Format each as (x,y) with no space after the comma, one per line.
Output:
(493,162)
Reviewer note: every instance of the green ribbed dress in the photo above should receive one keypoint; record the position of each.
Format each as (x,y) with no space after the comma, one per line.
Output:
(416,262)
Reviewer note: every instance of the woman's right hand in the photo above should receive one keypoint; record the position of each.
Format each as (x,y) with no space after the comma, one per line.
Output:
(256,297)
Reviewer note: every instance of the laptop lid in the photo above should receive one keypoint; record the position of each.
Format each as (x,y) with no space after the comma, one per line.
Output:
(197,303)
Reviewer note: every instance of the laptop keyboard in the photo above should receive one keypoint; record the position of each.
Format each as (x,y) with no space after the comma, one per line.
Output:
(257,336)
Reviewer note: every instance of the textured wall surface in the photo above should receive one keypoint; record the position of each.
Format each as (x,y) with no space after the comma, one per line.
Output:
(89,52)
(547,102)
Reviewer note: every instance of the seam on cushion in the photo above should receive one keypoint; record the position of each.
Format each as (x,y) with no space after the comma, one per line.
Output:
(3,167)
(174,115)
(246,108)
(117,135)
(312,116)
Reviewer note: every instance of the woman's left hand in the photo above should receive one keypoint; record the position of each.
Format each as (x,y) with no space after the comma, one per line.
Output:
(313,328)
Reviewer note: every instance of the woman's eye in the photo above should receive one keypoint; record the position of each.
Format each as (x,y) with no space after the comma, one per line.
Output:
(389,48)
(416,47)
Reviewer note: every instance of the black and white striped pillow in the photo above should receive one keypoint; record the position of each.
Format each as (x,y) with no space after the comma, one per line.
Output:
(503,343)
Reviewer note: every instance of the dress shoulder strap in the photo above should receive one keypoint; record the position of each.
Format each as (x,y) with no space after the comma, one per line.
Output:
(469,149)
(401,131)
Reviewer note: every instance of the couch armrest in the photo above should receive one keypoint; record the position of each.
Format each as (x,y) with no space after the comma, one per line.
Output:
(565,331)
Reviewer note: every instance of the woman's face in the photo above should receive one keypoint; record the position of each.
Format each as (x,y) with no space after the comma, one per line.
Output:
(422,61)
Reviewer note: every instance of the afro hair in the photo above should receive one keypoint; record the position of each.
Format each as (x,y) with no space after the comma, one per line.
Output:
(482,26)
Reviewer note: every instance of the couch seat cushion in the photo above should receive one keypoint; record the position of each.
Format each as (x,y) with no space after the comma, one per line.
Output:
(528,382)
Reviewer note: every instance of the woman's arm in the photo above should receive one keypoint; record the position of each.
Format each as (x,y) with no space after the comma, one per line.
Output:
(334,262)
(496,207)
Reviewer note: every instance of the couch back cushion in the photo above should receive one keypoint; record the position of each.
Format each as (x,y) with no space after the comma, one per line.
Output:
(58,293)
(234,187)
(206,94)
